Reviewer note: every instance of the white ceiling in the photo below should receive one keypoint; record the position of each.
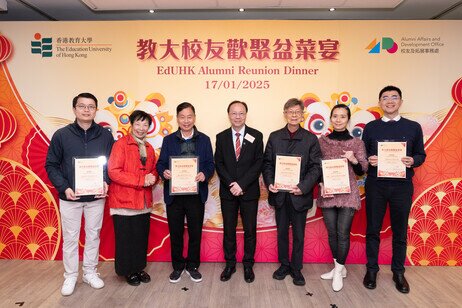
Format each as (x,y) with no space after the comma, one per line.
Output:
(37,10)
(116,5)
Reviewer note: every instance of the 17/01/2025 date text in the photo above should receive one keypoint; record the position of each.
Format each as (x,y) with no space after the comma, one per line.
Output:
(237,85)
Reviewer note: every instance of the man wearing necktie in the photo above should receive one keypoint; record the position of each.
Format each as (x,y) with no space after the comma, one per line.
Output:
(238,160)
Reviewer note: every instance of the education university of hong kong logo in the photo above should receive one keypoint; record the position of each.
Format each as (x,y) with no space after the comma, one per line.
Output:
(386,43)
(42,45)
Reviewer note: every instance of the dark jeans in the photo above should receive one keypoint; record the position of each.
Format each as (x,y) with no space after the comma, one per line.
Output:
(338,223)
(248,211)
(285,216)
(398,195)
(191,207)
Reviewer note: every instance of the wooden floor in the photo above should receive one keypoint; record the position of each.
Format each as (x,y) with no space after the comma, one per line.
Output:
(38,284)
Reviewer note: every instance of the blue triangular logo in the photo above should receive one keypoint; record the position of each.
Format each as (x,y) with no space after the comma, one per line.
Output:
(375,49)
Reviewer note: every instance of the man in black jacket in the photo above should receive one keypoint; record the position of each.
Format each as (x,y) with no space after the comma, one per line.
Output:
(81,139)
(238,161)
(292,204)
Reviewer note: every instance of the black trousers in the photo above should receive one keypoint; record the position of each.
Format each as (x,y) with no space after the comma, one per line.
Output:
(286,216)
(191,207)
(398,195)
(131,243)
(248,211)
(338,223)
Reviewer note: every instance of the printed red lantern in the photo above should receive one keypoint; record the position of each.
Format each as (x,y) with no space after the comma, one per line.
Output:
(5,48)
(8,125)
(457,92)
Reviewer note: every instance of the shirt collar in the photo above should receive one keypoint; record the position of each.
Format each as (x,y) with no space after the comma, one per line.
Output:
(240,132)
(397,118)
(189,137)
(291,135)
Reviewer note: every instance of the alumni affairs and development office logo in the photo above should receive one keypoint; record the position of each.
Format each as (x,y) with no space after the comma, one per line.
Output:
(386,43)
(42,45)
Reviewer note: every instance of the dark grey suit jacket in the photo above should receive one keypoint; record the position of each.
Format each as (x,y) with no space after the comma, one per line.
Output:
(304,144)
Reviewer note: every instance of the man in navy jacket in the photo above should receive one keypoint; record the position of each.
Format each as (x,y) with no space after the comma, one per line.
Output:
(186,141)
(83,138)
(396,192)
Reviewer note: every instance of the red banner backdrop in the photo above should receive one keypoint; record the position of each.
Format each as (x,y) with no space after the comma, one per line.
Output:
(29,215)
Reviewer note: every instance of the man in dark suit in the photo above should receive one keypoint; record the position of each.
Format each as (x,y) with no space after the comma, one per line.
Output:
(238,160)
(292,204)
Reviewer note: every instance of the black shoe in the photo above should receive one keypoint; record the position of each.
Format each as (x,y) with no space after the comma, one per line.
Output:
(298,278)
(144,277)
(133,279)
(369,280)
(249,275)
(175,276)
(227,273)
(194,274)
(281,272)
(401,283)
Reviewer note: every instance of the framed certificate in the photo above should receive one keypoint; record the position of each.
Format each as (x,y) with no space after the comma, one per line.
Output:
(389,159)
(89,175)
(335,176)
(184,170)
(287,172)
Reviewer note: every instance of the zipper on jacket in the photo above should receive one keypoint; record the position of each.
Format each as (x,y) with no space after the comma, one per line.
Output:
(85,142)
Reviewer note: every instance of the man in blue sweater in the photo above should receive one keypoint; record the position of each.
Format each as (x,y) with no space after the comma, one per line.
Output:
(396,192)
(81,139)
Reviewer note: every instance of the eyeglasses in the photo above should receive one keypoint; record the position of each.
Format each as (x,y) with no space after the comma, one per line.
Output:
(237,114)
(88,107)
(390,98)
(293,112)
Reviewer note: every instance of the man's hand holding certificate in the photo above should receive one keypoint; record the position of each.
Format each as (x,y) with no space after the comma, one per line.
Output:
(89,178)
(390,160)
(287,172)
(184,175)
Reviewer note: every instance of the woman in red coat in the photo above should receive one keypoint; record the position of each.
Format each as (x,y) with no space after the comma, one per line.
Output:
(132,169)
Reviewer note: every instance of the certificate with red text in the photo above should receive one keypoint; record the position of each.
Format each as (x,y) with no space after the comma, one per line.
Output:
(389,159)
(184,170)
(335,176)
(287,172)
(89,179)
